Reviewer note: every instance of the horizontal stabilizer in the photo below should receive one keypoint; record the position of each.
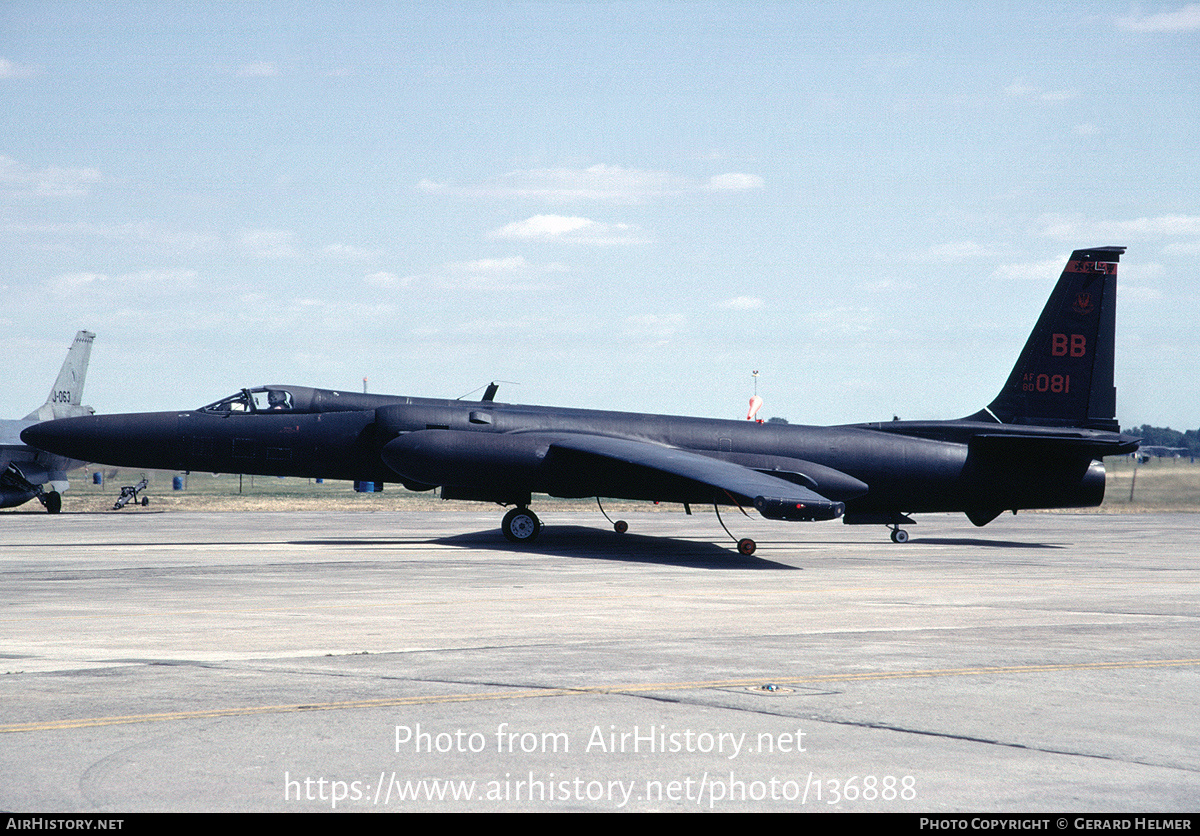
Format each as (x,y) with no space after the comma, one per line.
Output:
(1088,447)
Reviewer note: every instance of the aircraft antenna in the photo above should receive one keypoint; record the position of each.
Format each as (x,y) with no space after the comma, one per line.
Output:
(491,387)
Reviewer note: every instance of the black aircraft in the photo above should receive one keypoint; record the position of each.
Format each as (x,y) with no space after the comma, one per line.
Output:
(1037,445)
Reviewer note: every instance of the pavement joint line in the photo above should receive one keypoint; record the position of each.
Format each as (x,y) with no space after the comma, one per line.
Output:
(93,722)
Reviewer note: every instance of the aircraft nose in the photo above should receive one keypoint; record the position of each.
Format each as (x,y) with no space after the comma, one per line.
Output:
(65,437)
(104,439)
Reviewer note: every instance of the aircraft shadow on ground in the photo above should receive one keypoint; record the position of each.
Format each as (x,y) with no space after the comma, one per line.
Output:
(581,541)
(974,542)
(601,544)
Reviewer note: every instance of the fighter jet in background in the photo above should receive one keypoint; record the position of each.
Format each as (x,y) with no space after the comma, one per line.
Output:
(24,471)
(1037,445)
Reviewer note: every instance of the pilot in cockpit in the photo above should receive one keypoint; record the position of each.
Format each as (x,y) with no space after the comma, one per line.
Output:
(277,401)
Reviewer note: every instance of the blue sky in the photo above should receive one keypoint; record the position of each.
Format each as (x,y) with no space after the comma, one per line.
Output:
(612,205)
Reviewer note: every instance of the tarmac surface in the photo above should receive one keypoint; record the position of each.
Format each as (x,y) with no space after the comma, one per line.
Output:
(415,661)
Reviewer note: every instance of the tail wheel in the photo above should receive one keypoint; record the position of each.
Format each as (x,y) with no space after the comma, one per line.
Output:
(746,546)
(620,526)
(520,526)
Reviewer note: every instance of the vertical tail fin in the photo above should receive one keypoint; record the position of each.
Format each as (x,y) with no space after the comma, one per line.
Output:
(1064,376)
(66,396)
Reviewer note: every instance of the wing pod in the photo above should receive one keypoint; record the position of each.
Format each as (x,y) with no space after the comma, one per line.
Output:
(799,509)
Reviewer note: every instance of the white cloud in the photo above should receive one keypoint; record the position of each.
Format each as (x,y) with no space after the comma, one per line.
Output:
(1183,19)
(69,284)
(388,280)
(52,181)
(954,251)
(1074,230)
(515,264)
(164,280)
(656,329)
(597,182)
(141,232)
(312,316)
(1191,247)
(350,253)
(741,303)
(1040,271)
(572,230)
(602,183)
(733,182)
(540,227)
(1134,295)
(65,182)
(268,243)
(258,69)
(8,69)
(488,274)
(492,274)
(430,187)
(1020,89)
(145,282)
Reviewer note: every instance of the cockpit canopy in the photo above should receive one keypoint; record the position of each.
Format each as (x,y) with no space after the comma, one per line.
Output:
(263,399)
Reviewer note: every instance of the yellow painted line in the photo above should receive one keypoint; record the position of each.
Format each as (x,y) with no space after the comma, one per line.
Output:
(441,699)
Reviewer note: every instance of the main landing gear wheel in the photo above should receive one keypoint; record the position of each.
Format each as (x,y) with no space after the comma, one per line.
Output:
(52,501)
(899,535)
(520,526)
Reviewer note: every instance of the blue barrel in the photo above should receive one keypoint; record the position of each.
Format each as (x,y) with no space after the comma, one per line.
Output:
(97,478)
(177,483)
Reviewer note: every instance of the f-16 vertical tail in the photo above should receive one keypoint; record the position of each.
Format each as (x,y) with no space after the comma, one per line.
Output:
(1064,377)
(65,399)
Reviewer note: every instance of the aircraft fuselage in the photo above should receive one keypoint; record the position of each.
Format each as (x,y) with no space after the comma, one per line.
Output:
(1038,444)
(500,452)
